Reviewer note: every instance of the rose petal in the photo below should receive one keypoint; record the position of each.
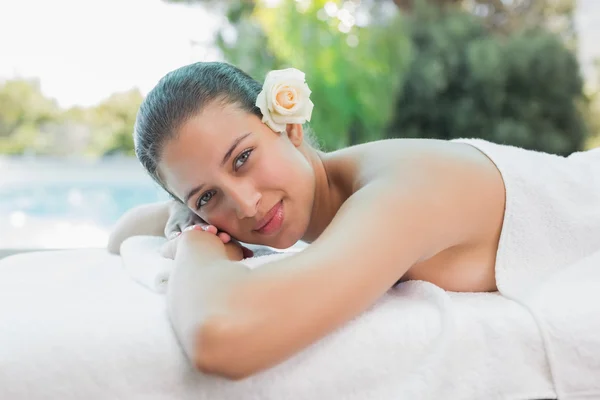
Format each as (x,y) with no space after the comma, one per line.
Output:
(285,99)
(275,127)
(287,74)
(308,110)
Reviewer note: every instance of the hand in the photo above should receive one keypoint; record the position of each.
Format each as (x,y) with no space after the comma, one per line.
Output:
(234,250)
(181,218)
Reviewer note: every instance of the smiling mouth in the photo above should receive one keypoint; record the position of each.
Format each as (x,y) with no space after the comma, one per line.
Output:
(271,223)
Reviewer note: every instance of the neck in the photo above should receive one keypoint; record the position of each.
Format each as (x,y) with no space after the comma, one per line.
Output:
(329,195)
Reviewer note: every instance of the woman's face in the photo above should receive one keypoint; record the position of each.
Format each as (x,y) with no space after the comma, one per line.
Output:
(237,174)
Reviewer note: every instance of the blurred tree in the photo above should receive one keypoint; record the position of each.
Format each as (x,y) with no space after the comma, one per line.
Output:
(523,90)
(33,123)
(244,42)
(462,80)
(24,111)
(503,16)
(112,123)
(353,54)
(593,111)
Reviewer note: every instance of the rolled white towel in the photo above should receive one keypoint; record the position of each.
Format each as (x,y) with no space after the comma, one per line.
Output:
(142,259)
(144,263)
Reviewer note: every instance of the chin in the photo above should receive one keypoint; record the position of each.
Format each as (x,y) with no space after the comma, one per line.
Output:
(286,240)
(283,244)
(283,240)
(275,242)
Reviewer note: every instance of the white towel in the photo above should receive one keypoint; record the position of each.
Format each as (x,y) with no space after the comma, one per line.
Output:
(551,235)
(143,261)
(567,309)
(417,342)
(76,326)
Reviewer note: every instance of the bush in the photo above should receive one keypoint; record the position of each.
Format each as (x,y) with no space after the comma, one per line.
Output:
(524,89)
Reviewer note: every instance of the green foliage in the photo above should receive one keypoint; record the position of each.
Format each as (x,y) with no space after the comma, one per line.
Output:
(592,111)
(23,111)
(506,17)
(248,50)
(113,121)
(523,89)
(351,70)
(436,73)
(32,123)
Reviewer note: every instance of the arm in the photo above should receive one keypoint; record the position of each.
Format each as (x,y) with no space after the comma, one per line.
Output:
(156,219)
(147,219)
(252,320)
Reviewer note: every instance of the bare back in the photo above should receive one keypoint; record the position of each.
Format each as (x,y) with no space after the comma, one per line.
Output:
(467,266)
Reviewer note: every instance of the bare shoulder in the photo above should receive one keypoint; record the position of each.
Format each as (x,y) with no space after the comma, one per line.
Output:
(457,180)
(406,158)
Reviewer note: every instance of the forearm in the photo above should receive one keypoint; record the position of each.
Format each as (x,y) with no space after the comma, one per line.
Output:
(285,306)
(147,219)
(199,287)
(262,317)
(235,322)
(214,308)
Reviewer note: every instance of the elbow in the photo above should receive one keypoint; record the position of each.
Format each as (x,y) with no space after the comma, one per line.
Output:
(217,350)
(114,243)
(211,367)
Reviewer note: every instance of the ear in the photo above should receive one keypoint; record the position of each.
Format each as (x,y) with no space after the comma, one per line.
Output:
(295,134)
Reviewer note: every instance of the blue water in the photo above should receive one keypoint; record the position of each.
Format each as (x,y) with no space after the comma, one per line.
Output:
(103,203)
(50,203)
(68,203)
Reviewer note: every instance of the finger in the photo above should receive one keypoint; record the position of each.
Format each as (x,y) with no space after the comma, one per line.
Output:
(201,227)
(189,225)
(224,236)
(196,227)
(211,229)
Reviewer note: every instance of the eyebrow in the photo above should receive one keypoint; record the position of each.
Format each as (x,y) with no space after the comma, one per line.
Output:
(233,146)
(235,143)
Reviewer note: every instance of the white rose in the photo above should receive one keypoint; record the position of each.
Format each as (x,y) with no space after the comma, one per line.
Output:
(284,99)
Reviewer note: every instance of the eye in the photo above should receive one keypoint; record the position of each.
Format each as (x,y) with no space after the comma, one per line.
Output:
(205,198)
(241,159)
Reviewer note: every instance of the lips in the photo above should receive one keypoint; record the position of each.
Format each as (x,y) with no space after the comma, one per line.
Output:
(272,221)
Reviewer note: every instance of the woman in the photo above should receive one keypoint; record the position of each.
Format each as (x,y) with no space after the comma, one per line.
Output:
(236,156)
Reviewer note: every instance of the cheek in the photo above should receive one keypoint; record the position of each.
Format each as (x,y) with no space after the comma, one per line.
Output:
(226,221)
(288,172)
(273,174)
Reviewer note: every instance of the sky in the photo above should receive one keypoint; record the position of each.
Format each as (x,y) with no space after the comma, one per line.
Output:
(82,51)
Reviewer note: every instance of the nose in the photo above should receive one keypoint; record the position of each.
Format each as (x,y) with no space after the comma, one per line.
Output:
(245,198)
